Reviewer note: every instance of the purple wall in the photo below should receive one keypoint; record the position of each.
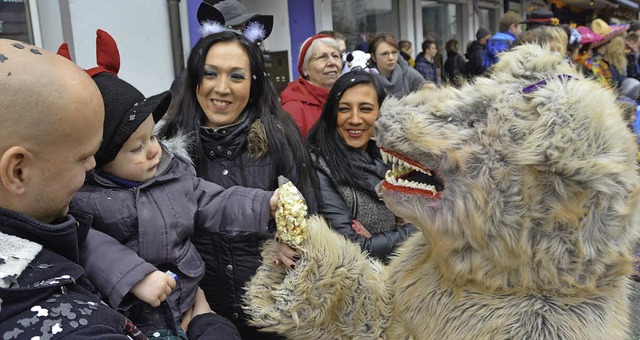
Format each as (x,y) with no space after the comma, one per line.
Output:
(192,8)
(302,25)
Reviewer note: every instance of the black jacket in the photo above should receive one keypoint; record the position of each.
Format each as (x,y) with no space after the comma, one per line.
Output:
(475,54)
(454,68)
(231,259)
(49,296)
(370,211)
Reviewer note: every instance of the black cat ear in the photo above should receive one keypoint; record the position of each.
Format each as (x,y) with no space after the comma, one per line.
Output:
(206,12)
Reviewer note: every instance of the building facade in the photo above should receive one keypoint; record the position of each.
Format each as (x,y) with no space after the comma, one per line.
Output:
(155,36)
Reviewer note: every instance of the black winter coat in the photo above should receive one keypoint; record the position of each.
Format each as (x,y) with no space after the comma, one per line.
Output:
(455,68)
(231,259)
(47,294)
(475,55)
(368,210)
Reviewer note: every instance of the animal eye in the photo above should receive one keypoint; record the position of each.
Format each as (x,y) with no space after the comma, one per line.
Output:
(472,123)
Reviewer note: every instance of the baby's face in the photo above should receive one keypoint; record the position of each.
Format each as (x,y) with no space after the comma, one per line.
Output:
(139,157)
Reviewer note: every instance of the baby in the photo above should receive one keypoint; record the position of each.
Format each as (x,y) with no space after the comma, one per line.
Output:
(150,200)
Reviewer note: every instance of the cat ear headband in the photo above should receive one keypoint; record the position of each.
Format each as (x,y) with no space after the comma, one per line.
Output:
(213,21)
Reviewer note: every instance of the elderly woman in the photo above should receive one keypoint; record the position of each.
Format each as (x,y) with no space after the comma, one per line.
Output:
(397,77)
(349,166)
(319,66)
(240,137)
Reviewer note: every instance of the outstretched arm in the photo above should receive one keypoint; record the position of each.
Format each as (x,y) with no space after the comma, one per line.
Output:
(236,209)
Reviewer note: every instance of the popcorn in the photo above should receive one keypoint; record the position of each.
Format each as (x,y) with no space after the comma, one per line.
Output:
(291,214)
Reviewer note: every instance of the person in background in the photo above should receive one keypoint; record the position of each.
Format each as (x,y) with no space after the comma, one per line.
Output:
(455,67)
(475,53)
(349,166)
(241,136)
(601,68)
(574,42)
(538,17)
(632,52)
(584,57)
(552,36)
(339,38)
(56,114)
(319,66)
(510,30)
(394,73)
(616,57)
(406,51)
(426,62)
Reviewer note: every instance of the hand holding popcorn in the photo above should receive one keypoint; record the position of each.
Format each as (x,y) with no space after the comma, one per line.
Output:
(291,214)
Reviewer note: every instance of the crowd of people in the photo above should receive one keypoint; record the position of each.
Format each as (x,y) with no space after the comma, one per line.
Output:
(163,213)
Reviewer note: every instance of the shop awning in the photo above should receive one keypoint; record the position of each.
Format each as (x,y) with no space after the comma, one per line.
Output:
(633,4)
(595,4)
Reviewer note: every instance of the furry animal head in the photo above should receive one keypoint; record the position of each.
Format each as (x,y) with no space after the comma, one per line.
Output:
(533,184)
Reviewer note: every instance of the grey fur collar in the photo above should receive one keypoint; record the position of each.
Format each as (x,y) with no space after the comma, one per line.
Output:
(178,145)
(15,255)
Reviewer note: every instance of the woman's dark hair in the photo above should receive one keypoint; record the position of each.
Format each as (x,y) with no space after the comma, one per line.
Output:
(325,139)
(281,130)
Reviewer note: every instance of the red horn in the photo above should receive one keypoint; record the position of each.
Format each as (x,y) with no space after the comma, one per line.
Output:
(107,54)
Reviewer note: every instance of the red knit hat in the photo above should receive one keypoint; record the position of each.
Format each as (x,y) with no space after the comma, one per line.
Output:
(305,47)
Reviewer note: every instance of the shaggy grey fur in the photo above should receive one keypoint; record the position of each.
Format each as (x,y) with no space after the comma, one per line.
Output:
(531,238)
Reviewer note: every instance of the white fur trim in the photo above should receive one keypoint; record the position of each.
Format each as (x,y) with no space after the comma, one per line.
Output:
(16,253)
(210,27)
(254,31)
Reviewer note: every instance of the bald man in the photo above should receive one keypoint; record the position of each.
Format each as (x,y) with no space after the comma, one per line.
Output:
(51,116)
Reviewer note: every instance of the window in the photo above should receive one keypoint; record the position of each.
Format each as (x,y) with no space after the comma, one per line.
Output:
(14,21)
(359,20)
(441,22)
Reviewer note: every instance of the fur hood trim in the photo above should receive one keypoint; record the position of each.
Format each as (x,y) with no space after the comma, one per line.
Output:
(15,255)
(179,145)
(258,141)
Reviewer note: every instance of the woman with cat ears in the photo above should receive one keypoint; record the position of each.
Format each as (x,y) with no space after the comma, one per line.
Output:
(240,136)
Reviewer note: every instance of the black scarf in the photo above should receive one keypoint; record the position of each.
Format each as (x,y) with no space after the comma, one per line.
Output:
(228,140)
(368,168)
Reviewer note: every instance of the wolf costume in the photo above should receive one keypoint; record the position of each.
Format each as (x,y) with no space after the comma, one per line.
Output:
(528,220)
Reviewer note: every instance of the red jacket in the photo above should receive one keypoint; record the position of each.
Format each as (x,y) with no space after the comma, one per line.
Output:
(304,102)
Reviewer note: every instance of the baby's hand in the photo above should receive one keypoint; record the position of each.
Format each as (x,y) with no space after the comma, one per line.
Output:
(154,288)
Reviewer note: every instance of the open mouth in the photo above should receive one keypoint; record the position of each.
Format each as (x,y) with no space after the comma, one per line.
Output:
(409,176)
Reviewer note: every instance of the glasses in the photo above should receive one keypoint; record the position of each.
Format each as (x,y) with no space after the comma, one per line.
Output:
(388,54)
(326,56)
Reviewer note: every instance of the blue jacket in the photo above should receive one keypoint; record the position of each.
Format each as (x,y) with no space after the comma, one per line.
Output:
(428,69)
(497,44)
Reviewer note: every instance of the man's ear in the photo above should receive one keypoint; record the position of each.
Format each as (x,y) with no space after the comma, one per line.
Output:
(14,169)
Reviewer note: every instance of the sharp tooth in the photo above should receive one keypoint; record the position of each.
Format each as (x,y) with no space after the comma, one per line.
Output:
(384,156)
